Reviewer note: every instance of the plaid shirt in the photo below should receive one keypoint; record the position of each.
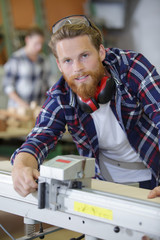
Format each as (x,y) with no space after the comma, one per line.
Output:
(30,80)
(136,105)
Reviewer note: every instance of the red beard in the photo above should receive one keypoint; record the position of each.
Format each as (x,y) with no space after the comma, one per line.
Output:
(86,89)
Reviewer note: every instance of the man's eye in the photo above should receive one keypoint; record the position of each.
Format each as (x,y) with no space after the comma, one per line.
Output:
(85,55)
(67,61)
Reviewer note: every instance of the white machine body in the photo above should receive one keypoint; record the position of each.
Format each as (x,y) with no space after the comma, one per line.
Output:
(68,167)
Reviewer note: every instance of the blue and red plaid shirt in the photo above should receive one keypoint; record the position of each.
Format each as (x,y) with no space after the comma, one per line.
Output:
(136,105)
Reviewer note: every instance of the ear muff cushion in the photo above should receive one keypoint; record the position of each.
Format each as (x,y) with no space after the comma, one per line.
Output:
(103,95)
(105,90)
(88,105)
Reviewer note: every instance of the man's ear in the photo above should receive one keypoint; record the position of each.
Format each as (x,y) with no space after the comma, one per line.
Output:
(102,52)
(58,64)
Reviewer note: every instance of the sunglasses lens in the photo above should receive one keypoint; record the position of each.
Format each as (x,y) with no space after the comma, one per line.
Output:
(70,20)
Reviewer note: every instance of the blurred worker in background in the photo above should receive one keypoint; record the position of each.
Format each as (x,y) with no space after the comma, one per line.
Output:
(27,73)
(110,101)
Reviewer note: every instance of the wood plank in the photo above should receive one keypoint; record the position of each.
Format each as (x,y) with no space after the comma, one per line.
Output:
(123,190)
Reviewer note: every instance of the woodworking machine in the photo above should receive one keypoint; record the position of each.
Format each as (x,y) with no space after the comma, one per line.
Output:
(65,199)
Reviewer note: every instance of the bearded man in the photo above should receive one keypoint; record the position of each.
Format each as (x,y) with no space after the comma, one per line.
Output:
(109,100)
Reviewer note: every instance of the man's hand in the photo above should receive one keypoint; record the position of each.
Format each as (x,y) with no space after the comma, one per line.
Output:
(24,174)
(154,193)
(13,95)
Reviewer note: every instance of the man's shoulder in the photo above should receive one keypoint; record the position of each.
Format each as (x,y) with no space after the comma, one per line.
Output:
(16,57)
(120,58)
(19,53)
(59,88)
(113,53)
(13,61)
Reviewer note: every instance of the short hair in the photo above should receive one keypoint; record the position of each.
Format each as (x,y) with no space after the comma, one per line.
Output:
(75,30)
(34,31)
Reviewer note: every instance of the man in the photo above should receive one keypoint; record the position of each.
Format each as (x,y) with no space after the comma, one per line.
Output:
(109,100)
(27,73)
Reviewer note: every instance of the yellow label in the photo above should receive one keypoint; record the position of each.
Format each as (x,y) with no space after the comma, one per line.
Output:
(93,210)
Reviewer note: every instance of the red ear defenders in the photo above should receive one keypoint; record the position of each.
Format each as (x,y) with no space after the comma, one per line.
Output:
(103,95)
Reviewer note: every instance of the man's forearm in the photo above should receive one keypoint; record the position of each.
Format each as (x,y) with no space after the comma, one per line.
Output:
(25,159)
(18,100)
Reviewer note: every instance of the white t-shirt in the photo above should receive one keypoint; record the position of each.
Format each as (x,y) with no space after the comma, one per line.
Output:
(113,143)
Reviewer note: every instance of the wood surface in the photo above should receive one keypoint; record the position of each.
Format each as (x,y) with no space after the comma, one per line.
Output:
(123,190)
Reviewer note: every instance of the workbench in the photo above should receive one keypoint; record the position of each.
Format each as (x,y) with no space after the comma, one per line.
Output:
(14,133)
(102,211)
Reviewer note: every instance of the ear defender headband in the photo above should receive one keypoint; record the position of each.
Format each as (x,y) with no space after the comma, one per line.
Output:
(103,95)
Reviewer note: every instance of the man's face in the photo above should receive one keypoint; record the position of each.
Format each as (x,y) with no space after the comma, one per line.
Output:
(35,43)
(81,64)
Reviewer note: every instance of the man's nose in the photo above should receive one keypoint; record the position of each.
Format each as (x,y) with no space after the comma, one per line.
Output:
(78,66)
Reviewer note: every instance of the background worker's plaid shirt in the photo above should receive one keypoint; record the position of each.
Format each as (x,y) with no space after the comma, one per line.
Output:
(136,105)
(30,80)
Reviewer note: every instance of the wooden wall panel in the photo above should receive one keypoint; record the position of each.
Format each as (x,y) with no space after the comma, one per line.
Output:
(59,9)
(23,13)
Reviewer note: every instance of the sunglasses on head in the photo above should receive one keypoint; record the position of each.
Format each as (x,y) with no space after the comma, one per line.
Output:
(73,19)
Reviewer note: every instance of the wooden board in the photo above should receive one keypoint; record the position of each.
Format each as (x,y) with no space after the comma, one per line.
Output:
(123,190)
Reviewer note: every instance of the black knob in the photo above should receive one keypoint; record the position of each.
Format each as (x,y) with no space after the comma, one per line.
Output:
(116,229)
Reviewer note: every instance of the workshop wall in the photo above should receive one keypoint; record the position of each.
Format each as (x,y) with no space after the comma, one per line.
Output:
(147,29)
(142,30)
(140,34)
(23,12)
(55,10)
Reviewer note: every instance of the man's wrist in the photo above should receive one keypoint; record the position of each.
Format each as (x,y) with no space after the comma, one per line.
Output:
(25,159)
